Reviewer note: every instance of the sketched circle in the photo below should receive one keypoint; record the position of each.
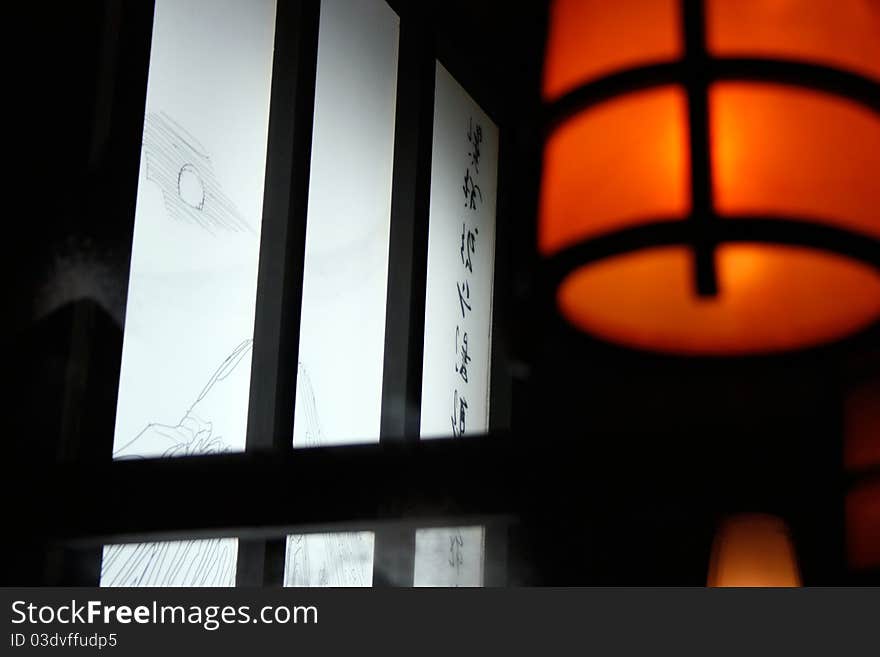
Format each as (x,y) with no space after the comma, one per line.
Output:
(190,187)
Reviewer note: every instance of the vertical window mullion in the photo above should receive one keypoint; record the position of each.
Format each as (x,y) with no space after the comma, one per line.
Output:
(394,553)
(282,257)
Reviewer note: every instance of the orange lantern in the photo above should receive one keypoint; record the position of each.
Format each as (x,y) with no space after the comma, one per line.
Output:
(753,550)
(711,177)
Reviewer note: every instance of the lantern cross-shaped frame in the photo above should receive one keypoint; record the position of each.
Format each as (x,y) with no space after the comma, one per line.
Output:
(710,180)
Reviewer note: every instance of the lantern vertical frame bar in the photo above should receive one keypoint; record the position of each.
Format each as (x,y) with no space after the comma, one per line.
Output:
(696,82)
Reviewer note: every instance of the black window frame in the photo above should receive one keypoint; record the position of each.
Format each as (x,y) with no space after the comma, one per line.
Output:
(401,482)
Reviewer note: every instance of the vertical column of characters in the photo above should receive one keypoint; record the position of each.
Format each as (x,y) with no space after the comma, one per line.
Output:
(458,309)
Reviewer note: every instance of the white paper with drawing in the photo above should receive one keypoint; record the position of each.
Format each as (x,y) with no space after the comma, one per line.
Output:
(185,376)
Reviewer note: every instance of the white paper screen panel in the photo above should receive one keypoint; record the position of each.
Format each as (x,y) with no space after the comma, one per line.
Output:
(458,308)
(461,264)
(339,559)
(450,556)
(342,329)
(186,358)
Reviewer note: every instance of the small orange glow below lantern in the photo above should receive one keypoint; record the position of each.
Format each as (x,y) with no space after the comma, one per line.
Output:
(863,525)
(770,298)
(753,550)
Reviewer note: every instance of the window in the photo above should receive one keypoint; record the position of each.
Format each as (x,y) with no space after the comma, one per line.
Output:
(186,358)
(190,364)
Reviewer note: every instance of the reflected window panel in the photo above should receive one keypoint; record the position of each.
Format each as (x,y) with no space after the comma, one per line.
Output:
(340,559)
(186,359)
(205,562)
(342,327)
(450,556)
(458,306)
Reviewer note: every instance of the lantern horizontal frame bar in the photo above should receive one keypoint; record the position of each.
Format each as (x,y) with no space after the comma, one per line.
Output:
(753,229)
(761,229)
(834,81)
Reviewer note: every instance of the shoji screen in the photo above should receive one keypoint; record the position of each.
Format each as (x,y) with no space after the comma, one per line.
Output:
(458,307)
(189,318)
(342,331)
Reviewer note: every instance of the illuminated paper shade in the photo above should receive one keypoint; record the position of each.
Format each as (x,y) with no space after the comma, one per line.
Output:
(710,172)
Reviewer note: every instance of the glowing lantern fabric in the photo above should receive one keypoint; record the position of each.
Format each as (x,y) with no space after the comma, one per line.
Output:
(781,101)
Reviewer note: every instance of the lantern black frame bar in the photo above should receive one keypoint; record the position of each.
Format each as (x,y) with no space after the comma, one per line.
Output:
(697,89)
(771,229)
(704,229)
(855,87)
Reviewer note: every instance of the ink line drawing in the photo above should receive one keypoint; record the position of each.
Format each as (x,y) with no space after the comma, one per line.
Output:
(327,559)
(450,556)
(182,168)
(206,562)
(209,562)
(193,434)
